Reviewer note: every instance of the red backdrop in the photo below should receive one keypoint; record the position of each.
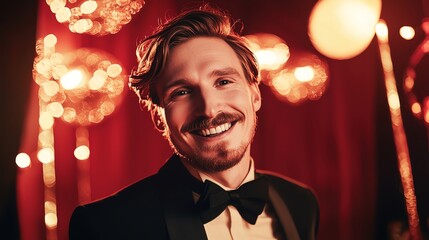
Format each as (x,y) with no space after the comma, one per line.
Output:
(329,144)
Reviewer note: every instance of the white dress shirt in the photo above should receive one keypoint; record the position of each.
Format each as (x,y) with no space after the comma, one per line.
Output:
(230,225)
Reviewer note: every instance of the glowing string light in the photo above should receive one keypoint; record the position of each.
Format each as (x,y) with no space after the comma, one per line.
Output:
(400,138)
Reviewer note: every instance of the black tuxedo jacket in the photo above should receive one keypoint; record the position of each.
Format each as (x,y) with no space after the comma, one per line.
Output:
(162,207)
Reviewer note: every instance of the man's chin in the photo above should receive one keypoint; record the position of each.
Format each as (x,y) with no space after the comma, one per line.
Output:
(215,161)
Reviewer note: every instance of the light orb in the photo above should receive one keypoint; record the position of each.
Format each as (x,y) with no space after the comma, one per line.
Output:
(342,29)
(270,51)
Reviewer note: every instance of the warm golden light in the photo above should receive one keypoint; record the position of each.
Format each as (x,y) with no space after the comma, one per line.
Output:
(81,26)
(270,51)
(50,40)
(304,78)
(95,17)
(22,160)
(82,152)
(407,32)
(50,88)
(400,138)
(51,220)
(416,108)
(114,70)
(46,138)
(63,15)
(72,79)
(49,177)
(271,59)
(46,120)
(45,155)
(88,7)
(393,100)
(381,30)
(69,115)
(426,110)
(107,108)
(55,109)
(76,85)
(304,74)
(426,117)
(98,80)
(343,29)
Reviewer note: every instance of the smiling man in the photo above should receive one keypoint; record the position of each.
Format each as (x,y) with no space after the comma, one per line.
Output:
(200,82)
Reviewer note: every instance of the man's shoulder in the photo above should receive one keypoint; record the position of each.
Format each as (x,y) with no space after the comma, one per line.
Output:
(287,185)
(123,214)
(143,191)
(279,178)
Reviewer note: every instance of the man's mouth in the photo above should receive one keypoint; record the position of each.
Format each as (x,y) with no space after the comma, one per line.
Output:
(215,130)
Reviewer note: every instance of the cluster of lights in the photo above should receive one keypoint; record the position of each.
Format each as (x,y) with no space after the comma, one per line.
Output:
(305,79)
(419,104)
(293,78)
(82,87)
(95,17)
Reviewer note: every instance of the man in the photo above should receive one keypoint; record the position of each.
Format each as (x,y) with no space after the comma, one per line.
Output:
(200,82)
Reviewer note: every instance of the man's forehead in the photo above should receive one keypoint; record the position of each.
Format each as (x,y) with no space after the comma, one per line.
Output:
(203,55)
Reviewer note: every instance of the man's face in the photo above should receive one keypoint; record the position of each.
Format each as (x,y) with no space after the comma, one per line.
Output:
(210,107)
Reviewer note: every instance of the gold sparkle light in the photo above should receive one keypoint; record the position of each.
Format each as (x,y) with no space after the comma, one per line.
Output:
(95,17)
(400,139)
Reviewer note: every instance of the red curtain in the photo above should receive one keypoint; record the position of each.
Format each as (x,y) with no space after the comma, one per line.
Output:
(328,144)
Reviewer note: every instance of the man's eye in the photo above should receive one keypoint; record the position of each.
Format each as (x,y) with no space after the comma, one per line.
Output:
(223,82)
(181,92)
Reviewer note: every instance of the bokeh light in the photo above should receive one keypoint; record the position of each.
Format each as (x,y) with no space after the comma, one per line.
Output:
(407,32)
(82,152)
(305,77)
(51,219)
(343,29)
(80,87)
(415,78)
(45,155)
(23,160)
(99,17)
(270,51)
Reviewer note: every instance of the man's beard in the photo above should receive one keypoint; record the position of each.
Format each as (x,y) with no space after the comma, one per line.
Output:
(223,158)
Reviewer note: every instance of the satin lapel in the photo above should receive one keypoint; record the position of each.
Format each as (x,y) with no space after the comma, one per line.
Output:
(183,222)
(283,214)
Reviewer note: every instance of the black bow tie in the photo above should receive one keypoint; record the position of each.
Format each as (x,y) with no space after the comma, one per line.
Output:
(249,199)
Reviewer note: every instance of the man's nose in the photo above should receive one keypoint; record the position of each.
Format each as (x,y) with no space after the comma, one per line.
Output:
(209,103)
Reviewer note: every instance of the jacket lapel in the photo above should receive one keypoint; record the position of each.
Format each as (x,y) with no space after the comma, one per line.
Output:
(283,214)
(182,220)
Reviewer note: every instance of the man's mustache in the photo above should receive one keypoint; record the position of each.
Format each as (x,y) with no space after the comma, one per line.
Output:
(205,123)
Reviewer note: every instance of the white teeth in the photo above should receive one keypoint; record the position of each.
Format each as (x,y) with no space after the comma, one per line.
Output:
(216,130)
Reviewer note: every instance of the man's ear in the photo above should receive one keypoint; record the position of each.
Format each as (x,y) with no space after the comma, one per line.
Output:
(158,118)
(256,96)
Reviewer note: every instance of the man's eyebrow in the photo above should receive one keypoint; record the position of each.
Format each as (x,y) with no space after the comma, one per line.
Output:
(228,71)
(174,83)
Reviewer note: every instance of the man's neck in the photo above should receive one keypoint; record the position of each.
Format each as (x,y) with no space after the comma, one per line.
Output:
(231,178)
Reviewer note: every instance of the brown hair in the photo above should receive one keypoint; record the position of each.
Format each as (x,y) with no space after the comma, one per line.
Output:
(153,51)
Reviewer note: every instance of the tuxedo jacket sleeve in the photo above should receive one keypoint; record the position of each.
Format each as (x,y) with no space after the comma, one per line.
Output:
(133,213)
(162,207)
